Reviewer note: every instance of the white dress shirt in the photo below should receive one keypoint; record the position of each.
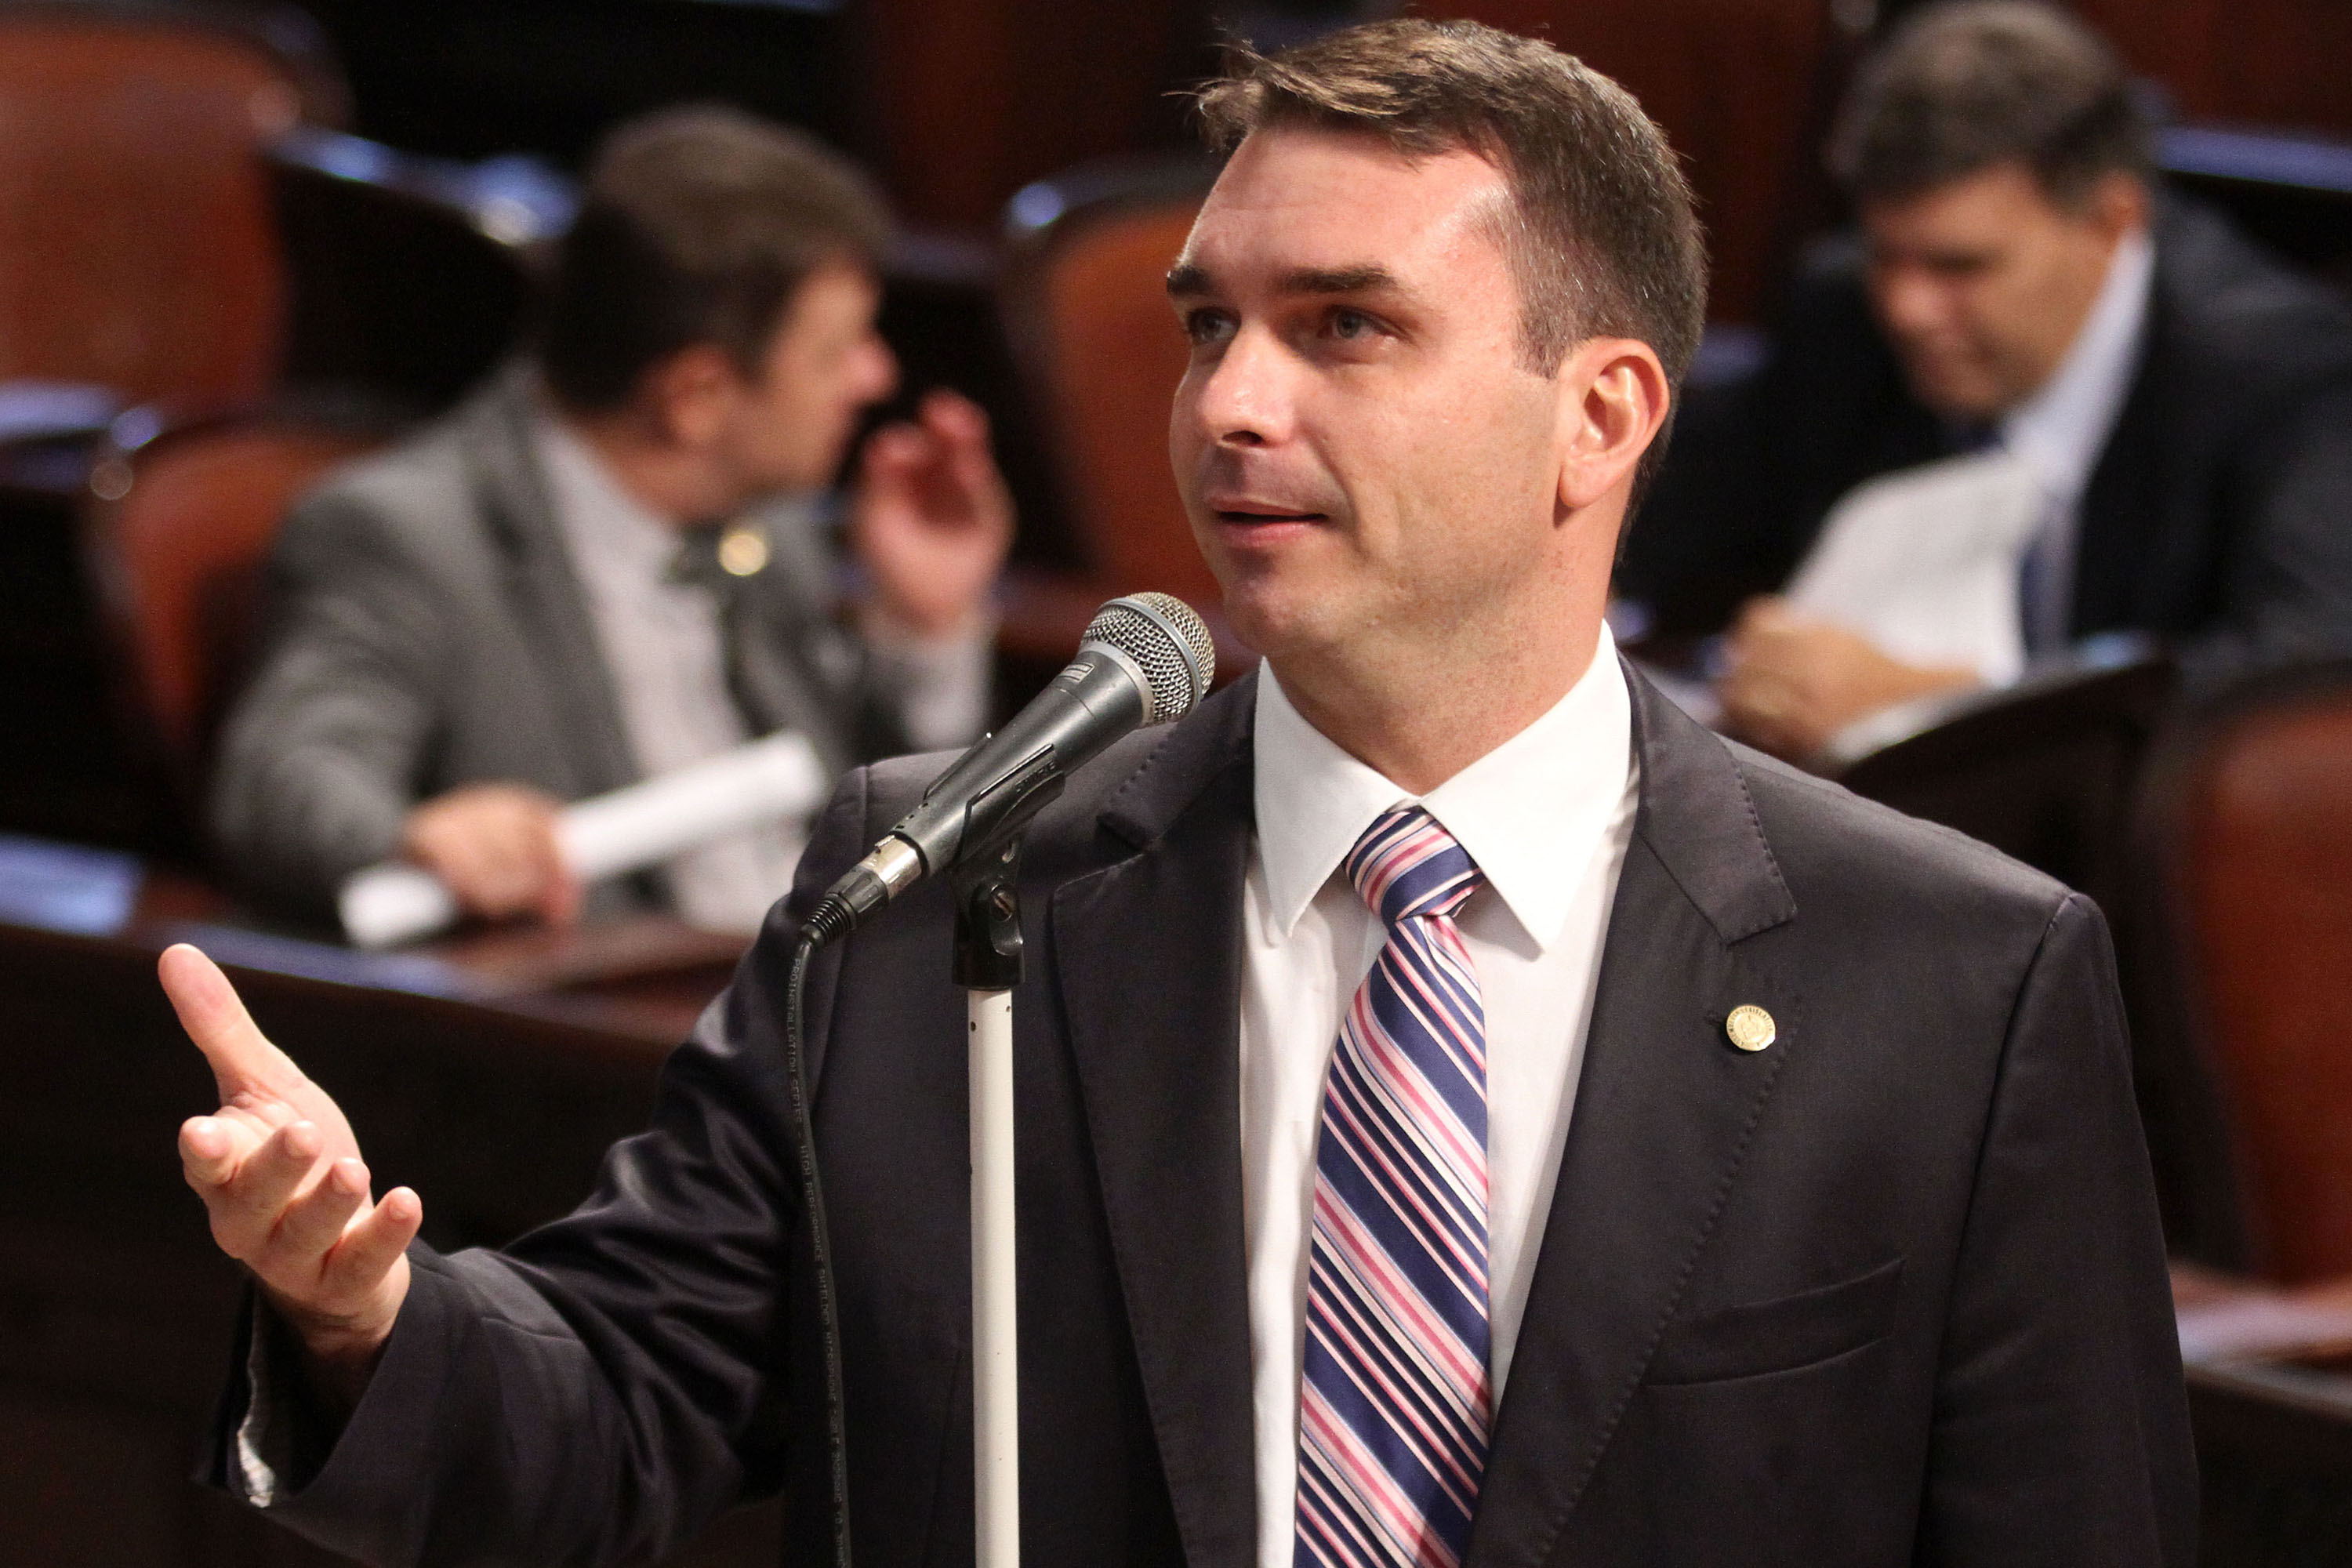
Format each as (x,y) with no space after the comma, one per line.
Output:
(1547,816)
(1924,563)
(663,650)
(2060,431)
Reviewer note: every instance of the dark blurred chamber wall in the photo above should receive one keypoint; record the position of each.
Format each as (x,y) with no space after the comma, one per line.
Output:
(958,103)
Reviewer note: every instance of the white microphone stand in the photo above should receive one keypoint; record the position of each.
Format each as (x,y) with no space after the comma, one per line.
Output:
(988,965)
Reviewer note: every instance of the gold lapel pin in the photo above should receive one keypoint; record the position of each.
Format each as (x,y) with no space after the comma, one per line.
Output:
(1751,1028)
(742,549)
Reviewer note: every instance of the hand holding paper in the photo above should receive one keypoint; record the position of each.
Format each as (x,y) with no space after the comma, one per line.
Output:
(776,779)
(493,846)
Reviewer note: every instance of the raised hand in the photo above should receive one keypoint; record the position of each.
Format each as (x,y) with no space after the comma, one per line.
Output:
(932,518)
(288,1194)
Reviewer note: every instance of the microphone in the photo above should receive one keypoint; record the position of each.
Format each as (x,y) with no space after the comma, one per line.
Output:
(1145,658)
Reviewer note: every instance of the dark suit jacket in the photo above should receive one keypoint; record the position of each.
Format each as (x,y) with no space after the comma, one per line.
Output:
(1890,1292)
(2219,516)
(429,631)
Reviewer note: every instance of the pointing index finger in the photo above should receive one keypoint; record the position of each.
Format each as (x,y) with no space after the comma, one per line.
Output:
(241,1056)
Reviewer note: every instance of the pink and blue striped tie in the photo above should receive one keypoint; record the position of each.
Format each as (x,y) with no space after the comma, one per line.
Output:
(1393,1408)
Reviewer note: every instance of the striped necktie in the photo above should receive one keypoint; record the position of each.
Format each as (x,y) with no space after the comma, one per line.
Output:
(1393,1407)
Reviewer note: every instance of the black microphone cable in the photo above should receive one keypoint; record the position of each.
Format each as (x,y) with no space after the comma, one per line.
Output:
(828,1311)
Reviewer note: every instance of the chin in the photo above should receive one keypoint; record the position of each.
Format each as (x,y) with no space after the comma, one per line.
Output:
(1959,395)
(1276,622)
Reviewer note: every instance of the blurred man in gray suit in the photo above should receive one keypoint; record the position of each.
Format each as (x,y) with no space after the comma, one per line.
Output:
(609,564)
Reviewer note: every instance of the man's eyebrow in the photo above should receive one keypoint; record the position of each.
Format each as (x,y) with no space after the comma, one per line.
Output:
(1186,279)
(1365,279)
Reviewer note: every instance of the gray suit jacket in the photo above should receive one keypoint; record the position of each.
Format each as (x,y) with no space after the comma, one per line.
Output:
(428,631)
(1888,1293)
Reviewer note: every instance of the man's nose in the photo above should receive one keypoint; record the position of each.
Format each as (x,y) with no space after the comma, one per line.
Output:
(1910,302)
(881,378)
(1247,397)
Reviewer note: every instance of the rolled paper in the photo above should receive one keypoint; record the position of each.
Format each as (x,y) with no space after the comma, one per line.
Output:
(390,903)
(776,779)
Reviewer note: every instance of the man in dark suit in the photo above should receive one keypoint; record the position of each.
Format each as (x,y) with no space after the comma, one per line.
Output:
(606,564)
(2016,283)
(1468,1113)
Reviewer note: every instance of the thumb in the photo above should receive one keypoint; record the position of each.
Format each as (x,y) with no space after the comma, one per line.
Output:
(954,419)
(241,1056)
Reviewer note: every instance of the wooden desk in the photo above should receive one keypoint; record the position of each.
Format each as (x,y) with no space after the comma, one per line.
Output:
(2270,1395)
(487,1073)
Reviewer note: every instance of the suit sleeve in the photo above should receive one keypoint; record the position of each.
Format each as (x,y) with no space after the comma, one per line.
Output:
(2061,1432)
(2287,593)
(318,758)
(599,1390)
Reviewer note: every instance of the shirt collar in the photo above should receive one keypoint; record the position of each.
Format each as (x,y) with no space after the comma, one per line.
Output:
(601,520)
(1529,812)
(2062,428)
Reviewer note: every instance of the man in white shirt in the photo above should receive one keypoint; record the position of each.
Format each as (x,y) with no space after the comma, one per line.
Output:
(2016,294)
(1468,1113)
(2176,405)
(612,562)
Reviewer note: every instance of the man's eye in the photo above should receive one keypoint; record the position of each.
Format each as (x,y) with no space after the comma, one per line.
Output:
(1351,324)
(1207,328)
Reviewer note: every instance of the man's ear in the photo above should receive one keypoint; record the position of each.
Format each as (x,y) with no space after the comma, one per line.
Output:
(687,396)
(1613,397)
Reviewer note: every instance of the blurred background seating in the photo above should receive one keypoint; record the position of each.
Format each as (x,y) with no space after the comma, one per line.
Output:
(2043,770)
(2293,194)
(137,252)
(179,525)
(2248,829)
(411,277)
(1085,299)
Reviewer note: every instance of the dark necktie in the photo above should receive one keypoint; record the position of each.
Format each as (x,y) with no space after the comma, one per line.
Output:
(722,558)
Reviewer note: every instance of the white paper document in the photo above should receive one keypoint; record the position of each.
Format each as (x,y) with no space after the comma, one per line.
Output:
(778,778)
(1924,563)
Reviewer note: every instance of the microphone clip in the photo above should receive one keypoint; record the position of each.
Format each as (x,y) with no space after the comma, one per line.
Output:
(987,891)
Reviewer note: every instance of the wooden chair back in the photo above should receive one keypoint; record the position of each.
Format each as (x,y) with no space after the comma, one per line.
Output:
(2247,820)
(177,532)
(136,251)
(1086,305)
(411,277)
(2042,770)
(2291,192)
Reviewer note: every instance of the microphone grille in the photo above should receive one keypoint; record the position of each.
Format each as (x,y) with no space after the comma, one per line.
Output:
(1167,641)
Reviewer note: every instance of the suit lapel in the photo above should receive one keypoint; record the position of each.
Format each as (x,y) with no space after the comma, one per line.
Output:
(2124,499)
(1147,953)
(545,589)
(1663,1111)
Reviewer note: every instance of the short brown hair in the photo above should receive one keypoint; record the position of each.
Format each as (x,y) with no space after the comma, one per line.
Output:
(696,226)
(1961,87)
(1603,239)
